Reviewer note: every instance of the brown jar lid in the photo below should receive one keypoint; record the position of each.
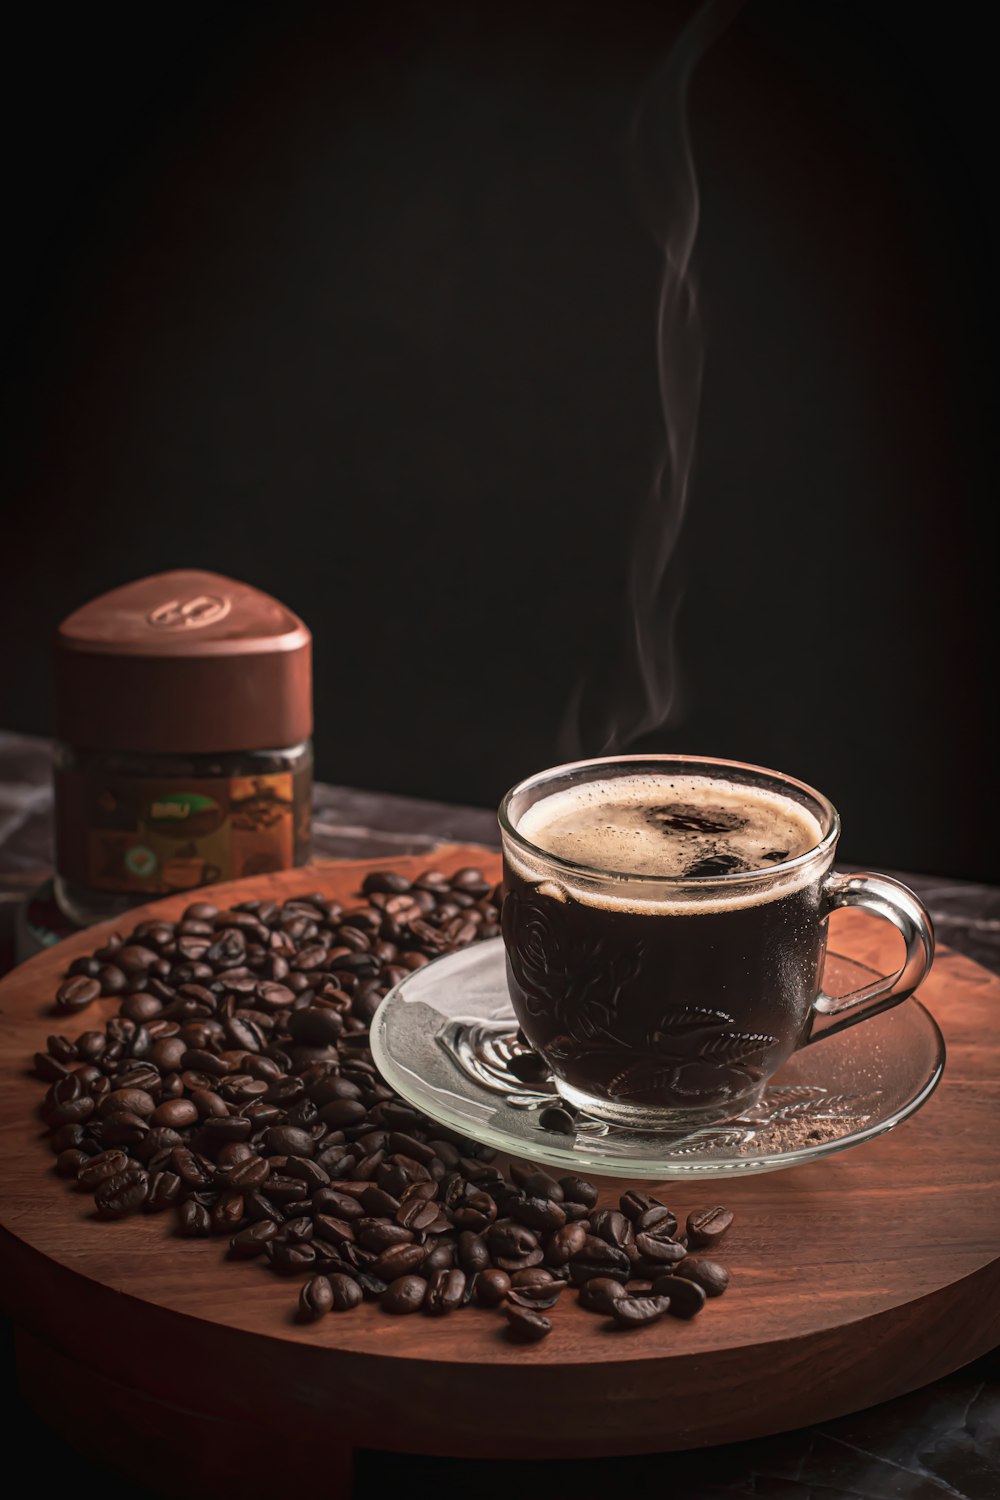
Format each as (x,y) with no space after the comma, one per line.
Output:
(183,663)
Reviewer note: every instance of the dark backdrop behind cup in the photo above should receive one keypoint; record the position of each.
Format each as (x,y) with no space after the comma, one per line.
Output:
(358,304)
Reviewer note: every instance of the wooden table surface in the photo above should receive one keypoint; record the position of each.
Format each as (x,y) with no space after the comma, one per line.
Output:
(904,1425)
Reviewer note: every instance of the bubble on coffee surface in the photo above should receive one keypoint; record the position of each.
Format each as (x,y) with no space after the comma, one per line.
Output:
(670,826)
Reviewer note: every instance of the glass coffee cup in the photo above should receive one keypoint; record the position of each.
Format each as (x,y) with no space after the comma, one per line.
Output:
(665,924)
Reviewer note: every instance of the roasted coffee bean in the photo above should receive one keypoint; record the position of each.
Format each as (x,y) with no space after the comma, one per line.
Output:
(290,1260)
(615,1264)
(686,1297)
(49,1068)
(638,1312)
(660,1252)
(259,1207)
(597,1294)
(342,1112)
(380,1234)
(445,1291)
(405,1294)
(633,1204)
(537,1213)
(533,1276)
(249,1173)
(164,1190)
(122,1194)
(253,1240)
(175,1113)
(611,1226)
(509,1240)
(387,882)
(476,1212)
(288,1140)
(62,1049)
(492,1287)
(141,1007)
(708,1274)
(338,1205)
(69,1162)
(71,1111)
(346,1292)
(657,1220)
(190,1168)
(473,1252)
(541,1295)
(706,1226)
(227,1213)
(440,1258)
(122,1128)
(315,1299)
(69,1138)
(417,1215)
(98,1169)
(525,1325)
(193,1220)
(529,1067)
(207,1104)
(336,1231)
(315,1026)
(397,1261)
(565,1244)
(533,1182)
(78,992)
(578,1190)
(556,1117)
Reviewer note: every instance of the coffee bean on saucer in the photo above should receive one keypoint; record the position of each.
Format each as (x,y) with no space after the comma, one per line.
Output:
(558,1119)
(708,1274)
(637,1312)
(525,1325)
(686,1297)
(527,1067)
(706,1226)
(315,1299)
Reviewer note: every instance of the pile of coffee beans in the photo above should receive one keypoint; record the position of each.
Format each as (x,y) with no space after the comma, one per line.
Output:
(235,1088)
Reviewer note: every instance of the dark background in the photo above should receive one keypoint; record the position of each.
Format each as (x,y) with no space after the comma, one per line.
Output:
(358,304)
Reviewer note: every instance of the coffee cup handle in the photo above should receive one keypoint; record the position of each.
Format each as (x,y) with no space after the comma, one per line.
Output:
(894,902)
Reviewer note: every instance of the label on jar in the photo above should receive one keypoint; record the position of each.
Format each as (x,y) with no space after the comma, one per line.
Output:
(124,833)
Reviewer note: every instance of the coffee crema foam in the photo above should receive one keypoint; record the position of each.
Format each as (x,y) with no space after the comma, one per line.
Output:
(674,827)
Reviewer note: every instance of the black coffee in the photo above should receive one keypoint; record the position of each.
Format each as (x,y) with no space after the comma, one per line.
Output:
(670,1001)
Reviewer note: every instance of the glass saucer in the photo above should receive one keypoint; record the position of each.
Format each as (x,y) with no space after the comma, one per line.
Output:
(443,1037)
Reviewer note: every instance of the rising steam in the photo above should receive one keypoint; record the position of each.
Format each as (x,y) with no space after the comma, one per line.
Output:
(645,691)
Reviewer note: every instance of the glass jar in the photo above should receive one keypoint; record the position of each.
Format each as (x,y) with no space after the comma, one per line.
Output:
(170,692)
(131,827)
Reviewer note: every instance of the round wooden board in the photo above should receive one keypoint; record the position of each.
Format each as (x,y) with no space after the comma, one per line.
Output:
(854,1279)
